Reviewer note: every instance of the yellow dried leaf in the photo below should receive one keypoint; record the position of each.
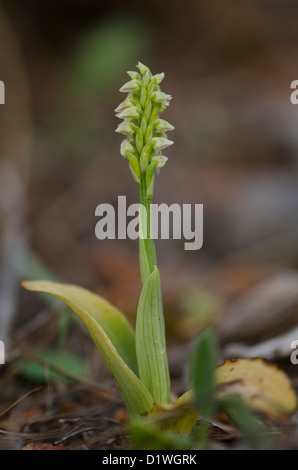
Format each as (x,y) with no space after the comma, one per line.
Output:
(180,416)
(264,387)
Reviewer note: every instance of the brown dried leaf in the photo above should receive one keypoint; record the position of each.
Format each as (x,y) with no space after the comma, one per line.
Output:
(43,446)
(264,387)
(17,419)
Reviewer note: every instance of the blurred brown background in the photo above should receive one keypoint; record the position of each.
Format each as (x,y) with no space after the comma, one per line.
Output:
(229,66)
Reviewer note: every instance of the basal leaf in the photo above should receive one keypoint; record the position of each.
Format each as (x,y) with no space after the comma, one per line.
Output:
(111,320)
(150,340)
(110,332)
(236,409)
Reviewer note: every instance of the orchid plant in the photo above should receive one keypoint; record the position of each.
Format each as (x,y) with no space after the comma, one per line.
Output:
(138,359)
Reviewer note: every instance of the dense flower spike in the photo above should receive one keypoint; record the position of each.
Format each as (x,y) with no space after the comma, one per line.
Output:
(145,131)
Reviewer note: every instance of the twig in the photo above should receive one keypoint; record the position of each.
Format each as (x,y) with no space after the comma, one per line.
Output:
(16,403)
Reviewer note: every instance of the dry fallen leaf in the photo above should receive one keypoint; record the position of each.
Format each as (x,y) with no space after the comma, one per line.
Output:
(43,446)
(17,419)
(264,387)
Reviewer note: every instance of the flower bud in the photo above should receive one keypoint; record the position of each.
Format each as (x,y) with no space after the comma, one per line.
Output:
(125,128)
(161,97)
(129,113)
(133,75)
(161,142)
(125,104)
(142,68)
(131,86)
(125,147)
(158,78)
(164,105)
(159,161)
(164,126)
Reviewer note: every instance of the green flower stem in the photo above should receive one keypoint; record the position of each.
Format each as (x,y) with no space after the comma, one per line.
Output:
(147,265)
(145,139)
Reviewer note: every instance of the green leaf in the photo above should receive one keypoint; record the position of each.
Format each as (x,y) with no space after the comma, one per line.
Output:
(111,320)
(236,409)
(150,340)
(110,332)
(202,368)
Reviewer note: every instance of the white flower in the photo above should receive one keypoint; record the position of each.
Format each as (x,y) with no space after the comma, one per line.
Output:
(161,97)
(158,78)
(125,128)
(160,161)
(125,147)
(129,113)
(146,133)
(164,126)
(125,104)
(161,143)
(164,104)
(142,68)
(133,75)
(131,86)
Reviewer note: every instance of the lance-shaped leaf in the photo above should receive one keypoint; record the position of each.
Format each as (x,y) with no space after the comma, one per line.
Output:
(111,333)
(150,340)
(239,413)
